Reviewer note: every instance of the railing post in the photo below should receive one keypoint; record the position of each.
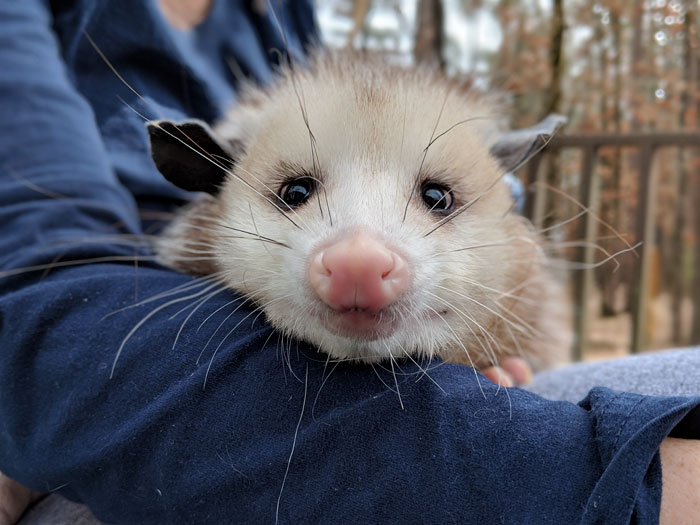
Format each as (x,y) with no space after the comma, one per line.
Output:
(587,230)
(532,194)
(646,223)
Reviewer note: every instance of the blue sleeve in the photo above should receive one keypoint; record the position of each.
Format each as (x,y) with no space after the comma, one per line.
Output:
(209,416)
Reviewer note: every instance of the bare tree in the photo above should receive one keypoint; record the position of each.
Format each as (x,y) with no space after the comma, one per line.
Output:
(430,33)
(678,245)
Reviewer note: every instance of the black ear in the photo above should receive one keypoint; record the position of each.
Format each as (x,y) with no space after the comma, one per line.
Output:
(514,148)
(188,155)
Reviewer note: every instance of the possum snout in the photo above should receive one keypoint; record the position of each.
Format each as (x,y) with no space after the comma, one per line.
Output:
(358,273)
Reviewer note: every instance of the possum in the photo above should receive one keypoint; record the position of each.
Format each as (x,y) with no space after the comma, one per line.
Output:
(362,207)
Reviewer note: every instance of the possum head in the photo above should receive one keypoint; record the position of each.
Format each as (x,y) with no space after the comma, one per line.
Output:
(362,208)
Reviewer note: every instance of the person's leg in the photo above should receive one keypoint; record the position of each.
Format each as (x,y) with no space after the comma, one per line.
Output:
(670,373)
(661,373)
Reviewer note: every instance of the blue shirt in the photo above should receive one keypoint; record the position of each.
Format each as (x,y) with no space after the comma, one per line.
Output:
(277,433)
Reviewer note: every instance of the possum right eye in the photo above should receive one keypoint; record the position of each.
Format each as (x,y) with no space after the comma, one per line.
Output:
(437,197)
(297,191)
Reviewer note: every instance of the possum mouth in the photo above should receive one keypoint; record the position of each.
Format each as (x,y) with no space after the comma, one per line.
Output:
(363,325)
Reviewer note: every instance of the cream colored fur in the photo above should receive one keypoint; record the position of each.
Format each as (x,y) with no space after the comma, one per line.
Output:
(479,289)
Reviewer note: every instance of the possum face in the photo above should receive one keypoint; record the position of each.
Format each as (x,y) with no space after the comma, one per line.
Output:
(361,208)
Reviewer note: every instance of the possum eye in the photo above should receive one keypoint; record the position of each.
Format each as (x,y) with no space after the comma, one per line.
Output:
(296,192)
(436,197)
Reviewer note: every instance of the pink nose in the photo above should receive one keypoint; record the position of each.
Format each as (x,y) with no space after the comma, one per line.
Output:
(358,273)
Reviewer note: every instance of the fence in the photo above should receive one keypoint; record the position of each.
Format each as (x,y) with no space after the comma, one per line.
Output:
(646,145)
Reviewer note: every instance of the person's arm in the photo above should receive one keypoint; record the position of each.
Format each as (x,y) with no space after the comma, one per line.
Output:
(680,463)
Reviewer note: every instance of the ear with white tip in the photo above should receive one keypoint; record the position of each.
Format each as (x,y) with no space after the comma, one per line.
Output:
(189,155)
(514,148)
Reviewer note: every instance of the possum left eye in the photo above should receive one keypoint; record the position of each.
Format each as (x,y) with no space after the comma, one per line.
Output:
(437,197)
(296,192)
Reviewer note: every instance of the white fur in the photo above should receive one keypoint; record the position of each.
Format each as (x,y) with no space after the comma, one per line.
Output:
(371,125)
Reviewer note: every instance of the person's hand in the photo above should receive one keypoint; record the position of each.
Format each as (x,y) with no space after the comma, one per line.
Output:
(14,499)
(512,371)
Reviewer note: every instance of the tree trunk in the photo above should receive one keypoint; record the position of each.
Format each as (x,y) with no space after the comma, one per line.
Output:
(553,102)
(360,8)
(695,336)
(678,282)
(430,34)
(613,211)
(555,59)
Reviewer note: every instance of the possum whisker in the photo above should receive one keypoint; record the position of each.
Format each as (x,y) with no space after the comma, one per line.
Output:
(490,352)
(255,235)
(476,199)
(220,325)
(323,382)
(424,372)
(187,307)
(185,287)
(77,262)
(461,209)
(143,213)
(532,153)
(272,332)
(563,223)
(588,210)
(201,303)
(492,358)
(585,244)
(294,442)
(247,300)
(456,124)
(425,154)
(396,381)
(69,199)
(114,69)
(146,318)
(372,365)
(533,330)
(500,293)
(458,340)
(506,242)
(213,159)
(236,177)
(255,310)
(138,241)
(302,107)
(29,184)
(577,265)
(229,303)
(286,354)
(209,157)
(265,186)
(403,123)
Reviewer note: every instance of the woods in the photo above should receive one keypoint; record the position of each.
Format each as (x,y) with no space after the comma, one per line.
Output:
(621,67)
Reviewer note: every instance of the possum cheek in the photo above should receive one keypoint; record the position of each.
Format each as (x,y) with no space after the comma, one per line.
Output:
(358,273)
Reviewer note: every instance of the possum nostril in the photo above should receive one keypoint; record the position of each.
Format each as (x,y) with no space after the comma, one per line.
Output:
(358,273)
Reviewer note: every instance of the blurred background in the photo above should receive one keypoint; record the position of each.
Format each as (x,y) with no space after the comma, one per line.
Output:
(623,174)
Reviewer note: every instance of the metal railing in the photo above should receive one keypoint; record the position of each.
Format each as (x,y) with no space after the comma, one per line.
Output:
(646,145)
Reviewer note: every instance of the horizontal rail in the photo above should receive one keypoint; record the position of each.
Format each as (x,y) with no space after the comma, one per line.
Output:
(597,140)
